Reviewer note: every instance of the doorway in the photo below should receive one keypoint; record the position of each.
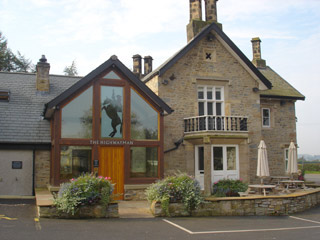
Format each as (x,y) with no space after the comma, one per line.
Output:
(225,161)
(111,164)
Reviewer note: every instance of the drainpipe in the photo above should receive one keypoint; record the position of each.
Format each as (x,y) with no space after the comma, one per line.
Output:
(177,143)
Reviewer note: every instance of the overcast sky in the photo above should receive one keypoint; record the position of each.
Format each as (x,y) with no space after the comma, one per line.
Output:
(90,31)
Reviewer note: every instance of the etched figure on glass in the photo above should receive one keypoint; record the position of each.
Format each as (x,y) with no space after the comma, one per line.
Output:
(111,112)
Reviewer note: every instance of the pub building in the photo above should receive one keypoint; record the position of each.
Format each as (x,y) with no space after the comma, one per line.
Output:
(109,123)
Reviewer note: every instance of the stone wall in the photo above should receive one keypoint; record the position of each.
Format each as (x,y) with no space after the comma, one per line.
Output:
(42,168)
(246,206)
(95,211)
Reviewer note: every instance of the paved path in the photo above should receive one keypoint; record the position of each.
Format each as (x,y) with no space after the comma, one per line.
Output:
(312,178)
(134,209)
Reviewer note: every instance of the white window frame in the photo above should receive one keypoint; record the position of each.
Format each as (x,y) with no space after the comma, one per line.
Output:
(225,173)
(214,101)
(262,117)
(199,174)
(286,159)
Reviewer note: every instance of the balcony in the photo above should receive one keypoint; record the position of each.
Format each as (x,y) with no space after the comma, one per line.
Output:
(215,123)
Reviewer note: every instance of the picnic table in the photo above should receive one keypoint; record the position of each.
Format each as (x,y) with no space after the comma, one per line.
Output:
(262,187)
(279,178)
(292,183)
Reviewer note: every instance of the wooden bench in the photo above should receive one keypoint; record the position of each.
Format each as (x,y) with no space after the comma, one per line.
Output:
(262,187)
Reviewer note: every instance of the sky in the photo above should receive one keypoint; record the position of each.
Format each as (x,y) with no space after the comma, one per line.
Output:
(89,32)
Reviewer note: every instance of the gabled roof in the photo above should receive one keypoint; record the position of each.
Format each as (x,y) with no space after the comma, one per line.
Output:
(280,87)
(114,63)
(20,118)
(212,27)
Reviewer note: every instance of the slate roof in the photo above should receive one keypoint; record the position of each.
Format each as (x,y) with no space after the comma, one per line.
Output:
(280,87)
(115,63)
(203,33)
(20,118)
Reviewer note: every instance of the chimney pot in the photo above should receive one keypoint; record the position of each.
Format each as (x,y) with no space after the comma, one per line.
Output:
(211,10)
(147,64)
(42,76)
(256,50)
(195,10)
(137,70)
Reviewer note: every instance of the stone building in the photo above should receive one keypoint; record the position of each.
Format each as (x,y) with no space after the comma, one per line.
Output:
(224,105)
(53,128)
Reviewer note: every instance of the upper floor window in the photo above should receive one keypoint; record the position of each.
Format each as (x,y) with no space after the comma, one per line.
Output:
(265,117)
(76,119)
(211,100)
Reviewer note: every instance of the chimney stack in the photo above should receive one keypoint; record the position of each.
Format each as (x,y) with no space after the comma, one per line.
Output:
(137,65)
(147,65)
(211,10)
(256,50)
(42,77)
(195,10)
(196,23)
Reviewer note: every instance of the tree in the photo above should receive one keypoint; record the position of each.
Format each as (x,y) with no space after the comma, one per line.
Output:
(9,62)
(71,70)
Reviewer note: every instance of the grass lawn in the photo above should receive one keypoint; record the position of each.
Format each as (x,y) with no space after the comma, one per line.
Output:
(312,172)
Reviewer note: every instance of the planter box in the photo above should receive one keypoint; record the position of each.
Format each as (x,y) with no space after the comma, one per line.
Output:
(95,211)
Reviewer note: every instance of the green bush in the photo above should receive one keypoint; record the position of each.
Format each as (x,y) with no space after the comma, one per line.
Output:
(228,188)
(178,188)
(309,167)
(83,191)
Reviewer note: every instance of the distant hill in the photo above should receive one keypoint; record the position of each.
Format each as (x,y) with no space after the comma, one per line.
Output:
(309,157)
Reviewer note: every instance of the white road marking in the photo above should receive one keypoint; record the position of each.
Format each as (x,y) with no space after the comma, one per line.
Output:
(255,230)
(306,220)
(177,226)
(246,230)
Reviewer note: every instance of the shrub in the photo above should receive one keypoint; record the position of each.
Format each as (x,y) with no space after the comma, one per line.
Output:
(178,188)
(228,188)
(83,191)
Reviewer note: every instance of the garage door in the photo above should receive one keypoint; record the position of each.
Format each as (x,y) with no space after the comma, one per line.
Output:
(16,172)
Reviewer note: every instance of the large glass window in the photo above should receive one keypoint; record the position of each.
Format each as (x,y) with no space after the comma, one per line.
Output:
(111,112)
(76,119)
(144,119)
(74,160)
(144,162)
